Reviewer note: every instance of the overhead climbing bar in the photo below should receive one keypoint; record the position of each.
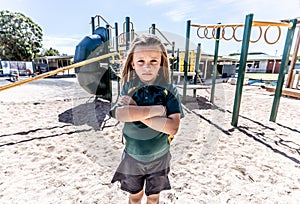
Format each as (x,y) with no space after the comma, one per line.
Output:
(209,31)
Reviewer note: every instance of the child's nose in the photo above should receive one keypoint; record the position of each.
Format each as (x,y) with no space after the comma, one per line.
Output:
(147,64)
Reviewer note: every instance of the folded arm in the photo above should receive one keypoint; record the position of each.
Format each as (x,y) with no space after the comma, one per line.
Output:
(153,116)
(132,113)
(168,125)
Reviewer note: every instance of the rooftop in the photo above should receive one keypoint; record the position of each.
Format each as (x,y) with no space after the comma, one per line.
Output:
(254,56)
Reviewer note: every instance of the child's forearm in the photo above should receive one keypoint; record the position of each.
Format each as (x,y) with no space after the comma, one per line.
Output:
(131,113)
(168,125)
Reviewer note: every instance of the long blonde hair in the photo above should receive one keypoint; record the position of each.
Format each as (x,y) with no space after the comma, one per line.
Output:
(144,40)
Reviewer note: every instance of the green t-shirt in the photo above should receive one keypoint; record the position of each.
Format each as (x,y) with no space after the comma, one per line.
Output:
(142,142)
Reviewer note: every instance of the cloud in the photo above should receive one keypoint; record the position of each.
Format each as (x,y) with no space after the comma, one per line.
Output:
(227,10)
(267,10)
(177,14)
(176,10)
(65,45)
(159,2)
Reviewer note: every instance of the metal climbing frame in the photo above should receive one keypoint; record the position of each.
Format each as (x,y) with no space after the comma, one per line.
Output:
(218,32)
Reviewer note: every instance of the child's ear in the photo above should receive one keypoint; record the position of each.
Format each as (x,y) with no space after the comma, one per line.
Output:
(132,65)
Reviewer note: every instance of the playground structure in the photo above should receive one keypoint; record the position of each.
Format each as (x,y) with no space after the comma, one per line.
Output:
(95,60)
(249,23)
(99,56)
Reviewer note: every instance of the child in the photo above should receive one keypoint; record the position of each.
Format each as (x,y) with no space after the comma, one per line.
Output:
(150,107)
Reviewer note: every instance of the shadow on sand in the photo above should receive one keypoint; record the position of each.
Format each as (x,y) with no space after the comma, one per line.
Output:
(93,114)
(287,148)
(20,140)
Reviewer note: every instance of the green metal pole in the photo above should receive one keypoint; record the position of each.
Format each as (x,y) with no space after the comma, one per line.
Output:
(1,70)
(108,34)
(178,60)
(242,68)
(116,35)
(34,67)
(173,65)
(283,65)
(109,84)
(93,24)
(197,66)
(117,49)
(214,74)
(127,24)
(186,58)
(153,29)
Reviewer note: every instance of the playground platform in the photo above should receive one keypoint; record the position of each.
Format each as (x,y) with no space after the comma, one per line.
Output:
(295,93)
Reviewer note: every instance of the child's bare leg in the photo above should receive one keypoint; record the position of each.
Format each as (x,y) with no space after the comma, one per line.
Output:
(153,199)
(136,198)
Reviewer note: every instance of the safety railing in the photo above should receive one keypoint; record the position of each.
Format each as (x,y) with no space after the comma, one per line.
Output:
(152,28)
(59,70)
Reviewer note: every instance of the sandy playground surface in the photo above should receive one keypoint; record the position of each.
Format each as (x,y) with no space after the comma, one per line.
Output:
(58,146)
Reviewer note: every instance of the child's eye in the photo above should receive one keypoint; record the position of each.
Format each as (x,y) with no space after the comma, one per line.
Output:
(140,62)
(154,61)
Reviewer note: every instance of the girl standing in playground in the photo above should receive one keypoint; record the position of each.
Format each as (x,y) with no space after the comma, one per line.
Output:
(150,107)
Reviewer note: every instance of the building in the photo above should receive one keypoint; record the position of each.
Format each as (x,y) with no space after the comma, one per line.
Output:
(257,62)
(50,63)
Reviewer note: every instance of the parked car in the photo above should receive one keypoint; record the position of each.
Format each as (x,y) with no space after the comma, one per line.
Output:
(14,75)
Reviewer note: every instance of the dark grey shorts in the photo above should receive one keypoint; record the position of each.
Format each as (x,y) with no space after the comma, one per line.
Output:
(133,174)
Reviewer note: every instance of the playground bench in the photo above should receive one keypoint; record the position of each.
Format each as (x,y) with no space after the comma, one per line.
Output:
(194,87)
(180,74)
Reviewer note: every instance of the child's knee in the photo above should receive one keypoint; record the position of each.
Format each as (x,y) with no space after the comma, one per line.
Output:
(136,198)
(153,199)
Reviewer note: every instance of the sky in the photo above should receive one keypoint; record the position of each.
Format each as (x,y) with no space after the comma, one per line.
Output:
(66,22)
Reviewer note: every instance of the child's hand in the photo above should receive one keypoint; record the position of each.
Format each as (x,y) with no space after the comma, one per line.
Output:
(126,100)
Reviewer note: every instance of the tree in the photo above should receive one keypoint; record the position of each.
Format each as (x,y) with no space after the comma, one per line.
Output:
(20,37)
(50,52)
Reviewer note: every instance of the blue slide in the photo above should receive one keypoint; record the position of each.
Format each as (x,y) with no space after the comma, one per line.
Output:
(92,77)
(89,43)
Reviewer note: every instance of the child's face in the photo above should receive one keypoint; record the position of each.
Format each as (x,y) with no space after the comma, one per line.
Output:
(146,63)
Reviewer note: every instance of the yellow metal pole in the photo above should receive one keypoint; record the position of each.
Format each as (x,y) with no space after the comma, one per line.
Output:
(254,23)
(265,23)
(62,69)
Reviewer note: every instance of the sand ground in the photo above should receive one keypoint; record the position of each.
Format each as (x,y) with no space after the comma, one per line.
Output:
(59,146)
